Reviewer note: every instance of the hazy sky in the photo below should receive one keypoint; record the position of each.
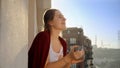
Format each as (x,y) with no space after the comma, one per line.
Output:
(100,18)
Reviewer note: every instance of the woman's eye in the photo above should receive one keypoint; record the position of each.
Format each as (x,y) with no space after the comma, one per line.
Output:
(60,16)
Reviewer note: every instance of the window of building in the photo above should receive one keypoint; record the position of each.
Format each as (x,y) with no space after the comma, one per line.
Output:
(72,40)
(68,32)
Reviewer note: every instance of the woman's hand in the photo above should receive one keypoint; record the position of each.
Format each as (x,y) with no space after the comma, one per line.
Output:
(77,55)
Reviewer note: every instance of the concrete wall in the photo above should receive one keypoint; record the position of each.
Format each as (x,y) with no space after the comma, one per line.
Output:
(14,34)
(20,21)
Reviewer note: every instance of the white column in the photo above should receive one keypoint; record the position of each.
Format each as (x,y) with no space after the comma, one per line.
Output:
(41,6)
(32,26)
(17,29)
(35,14)
(13,33)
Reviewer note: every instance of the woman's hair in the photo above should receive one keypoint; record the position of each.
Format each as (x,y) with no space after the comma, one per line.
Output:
(48,16)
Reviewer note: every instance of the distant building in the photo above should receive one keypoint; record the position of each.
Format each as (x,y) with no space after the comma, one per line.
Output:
(119,38)
(75,36)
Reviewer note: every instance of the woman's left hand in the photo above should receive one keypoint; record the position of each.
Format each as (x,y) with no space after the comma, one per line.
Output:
(77,61)
(79,56)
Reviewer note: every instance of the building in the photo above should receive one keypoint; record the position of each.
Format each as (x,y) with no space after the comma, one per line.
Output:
(119,38)
(75,36)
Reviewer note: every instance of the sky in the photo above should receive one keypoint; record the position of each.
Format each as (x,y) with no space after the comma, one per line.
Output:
(99,19)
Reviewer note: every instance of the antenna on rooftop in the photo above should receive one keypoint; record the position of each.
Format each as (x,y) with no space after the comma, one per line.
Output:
(96,40)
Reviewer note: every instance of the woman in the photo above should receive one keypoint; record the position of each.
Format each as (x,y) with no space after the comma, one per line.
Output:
(48,49)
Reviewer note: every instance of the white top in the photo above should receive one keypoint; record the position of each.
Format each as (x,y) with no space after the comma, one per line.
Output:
(55,56)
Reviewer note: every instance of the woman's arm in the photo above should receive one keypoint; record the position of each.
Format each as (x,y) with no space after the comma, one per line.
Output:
(64,62)
(67,65)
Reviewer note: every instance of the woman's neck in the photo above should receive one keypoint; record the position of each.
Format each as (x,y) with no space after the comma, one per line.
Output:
(54,34)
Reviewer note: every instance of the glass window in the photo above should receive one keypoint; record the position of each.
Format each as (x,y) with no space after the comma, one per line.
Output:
(72,40)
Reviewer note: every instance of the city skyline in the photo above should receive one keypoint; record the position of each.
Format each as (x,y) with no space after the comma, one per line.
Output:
(98,18)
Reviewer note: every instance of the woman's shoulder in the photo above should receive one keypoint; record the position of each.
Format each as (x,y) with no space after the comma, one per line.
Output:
(43,34)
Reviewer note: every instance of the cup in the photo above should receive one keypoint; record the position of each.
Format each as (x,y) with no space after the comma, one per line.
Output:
(79,48)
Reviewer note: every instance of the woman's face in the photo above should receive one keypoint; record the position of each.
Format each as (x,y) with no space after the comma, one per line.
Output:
(58,21)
